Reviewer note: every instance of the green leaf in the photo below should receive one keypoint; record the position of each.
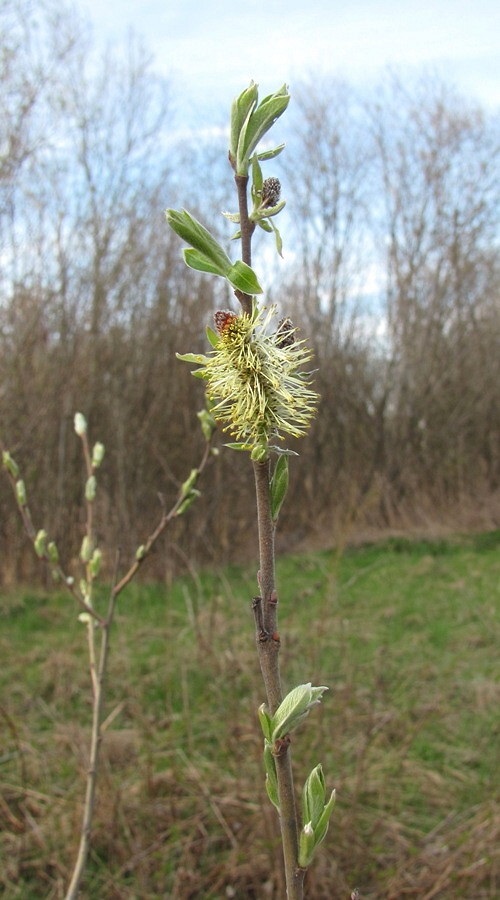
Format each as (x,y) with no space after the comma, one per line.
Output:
(212,336)
(294,708)
(262,223)
(307,846)
(279,486)
(271,776)
(324,820)
(233,217)
(197,260)
(194,233)
(237,445)
(257,177)
(267,211)
(243,278)
(278,238)
(198,358)
(240,108)
(270,154)
(257,124)
(313,796)
(265,721)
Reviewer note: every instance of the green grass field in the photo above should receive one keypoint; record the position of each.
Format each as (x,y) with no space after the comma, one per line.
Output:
(406,635)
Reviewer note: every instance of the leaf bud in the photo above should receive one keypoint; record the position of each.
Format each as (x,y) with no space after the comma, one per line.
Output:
(189,482)
(294,708)
(259,453)
(186,503)
(207,422)
(95,563)
(140,553)
(97,454)
(307,846)
(10,464)
(40,543)
(86,549)
(90,488)
(265,721)
(53,553)
(80,424)
(271,777)
(21,492)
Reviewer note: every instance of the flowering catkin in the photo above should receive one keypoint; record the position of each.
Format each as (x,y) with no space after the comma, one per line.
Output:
(254,382)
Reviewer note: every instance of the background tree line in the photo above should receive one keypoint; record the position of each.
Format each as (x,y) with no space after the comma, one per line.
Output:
(391,269)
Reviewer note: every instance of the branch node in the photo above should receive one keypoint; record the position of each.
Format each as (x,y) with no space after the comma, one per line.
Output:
(281,746)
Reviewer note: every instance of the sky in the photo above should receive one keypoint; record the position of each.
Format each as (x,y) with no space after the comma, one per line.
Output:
(211,49)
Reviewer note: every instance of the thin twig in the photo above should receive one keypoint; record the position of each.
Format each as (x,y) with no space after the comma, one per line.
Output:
(95,743)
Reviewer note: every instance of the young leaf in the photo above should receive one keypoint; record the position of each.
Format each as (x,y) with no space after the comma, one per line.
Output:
(256,126)
(240,108)
(232,217)
(294,708)
(243,278)
(257,177)
(212,336)
(271,154)
(238,445)
(278,238)
(198,358)
(279,486)
(194,233)
(197,260)
(271,777)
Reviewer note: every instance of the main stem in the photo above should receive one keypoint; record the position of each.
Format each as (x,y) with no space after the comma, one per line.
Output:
(266,609)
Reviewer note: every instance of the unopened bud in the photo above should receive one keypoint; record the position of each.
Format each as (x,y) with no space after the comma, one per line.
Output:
(10,464)
(40,543)
(95,562)
(90,488)
(86,549)
(53,553)
(97,454)
(80,424)
(21,492)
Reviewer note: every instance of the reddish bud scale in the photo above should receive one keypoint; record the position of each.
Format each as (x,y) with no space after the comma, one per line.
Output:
(223,318)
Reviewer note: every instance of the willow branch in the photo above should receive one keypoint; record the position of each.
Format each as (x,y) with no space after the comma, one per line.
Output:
(266,615)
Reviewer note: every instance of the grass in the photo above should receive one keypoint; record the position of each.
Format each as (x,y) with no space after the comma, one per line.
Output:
(405,634)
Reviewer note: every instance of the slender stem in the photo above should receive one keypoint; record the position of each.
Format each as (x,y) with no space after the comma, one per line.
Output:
(247,229)
(95,743)
(266,615)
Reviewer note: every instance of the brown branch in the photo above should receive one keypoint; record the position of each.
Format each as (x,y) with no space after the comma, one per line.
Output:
(266,614)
